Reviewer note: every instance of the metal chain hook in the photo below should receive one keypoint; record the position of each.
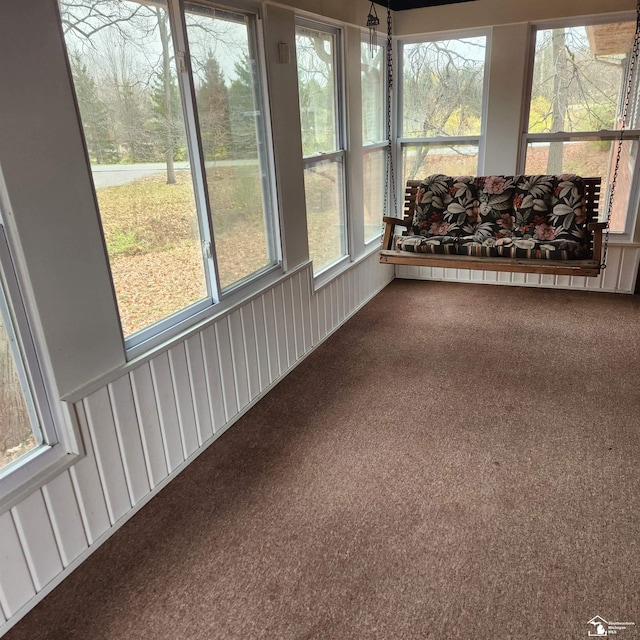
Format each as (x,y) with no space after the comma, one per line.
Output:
(625,112)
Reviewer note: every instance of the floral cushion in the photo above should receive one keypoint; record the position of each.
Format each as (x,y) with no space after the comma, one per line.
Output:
(522,216)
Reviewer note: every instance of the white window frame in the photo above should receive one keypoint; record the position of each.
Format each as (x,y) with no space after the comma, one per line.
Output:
(377,145)
(52,423)
(327,273)
(612,135)
(217,299)
(479,140)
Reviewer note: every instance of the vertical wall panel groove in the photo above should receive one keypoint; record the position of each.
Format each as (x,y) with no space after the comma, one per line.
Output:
(305,305)
(239,358)
(16,585)
(289,322)
(214,379)
(34,529)
(65,518)
(272,334)
(107,453)
(251,350)
(184,401)
(128,431)
(229,392)
(199,393)
(278,310)
(88,487)
(149,421)
(262,348)
(298,321)
(167,410)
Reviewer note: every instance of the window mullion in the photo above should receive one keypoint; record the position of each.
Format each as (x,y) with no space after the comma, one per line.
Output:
(194,143)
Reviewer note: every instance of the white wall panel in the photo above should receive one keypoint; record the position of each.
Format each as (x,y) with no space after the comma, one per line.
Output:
(272,334)
(38,542)
(65,518)
(149,423)
(184,399)
(280,325)
(128,430)
(239,357)
(251,350)
(619,276)
(262,348)
(140,427)
(16,586)
(167,410)
(88,487)
(107,452)
(289,322)
(212,365)
(298,320)
(227,377)
(199,393)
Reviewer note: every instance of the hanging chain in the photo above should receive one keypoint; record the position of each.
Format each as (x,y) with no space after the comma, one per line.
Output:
(625,112)
(391,176)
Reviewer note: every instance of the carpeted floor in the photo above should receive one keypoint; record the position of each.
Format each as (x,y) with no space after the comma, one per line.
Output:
(456,462)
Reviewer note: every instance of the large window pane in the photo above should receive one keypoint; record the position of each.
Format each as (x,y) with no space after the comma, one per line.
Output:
(123,65)
(421,160)
(374,178)
(589,158)
(578,77)
(231,125)
(373,93)
(442,85)
(324,191)
(315,52)
(19,431)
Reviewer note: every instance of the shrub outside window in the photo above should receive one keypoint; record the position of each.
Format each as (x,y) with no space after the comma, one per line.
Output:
(175,128)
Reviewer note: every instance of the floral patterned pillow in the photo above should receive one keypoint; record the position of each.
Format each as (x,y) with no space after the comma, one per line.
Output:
(443,205)
(568,209)
(531,207)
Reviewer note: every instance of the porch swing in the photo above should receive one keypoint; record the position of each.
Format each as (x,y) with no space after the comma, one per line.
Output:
(414,247)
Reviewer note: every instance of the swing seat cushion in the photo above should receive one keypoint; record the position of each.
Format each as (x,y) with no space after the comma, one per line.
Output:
(523,216)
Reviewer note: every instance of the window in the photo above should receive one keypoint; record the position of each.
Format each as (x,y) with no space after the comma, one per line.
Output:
(374,135)
(186,210)
(443,88)
(321,114)
(30,445)
(575,113)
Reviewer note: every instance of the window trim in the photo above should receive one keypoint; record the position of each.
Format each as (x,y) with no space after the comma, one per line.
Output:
(58,427)
(340,154)
(480,140)
(372,147)
(633,135)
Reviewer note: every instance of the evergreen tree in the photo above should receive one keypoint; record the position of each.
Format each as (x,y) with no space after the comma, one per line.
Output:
(213,110)
(243,111)
(95,115)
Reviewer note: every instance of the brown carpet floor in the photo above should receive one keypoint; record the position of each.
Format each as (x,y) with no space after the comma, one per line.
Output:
(456,462)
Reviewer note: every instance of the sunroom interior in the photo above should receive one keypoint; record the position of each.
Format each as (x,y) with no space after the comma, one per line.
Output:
(191,202)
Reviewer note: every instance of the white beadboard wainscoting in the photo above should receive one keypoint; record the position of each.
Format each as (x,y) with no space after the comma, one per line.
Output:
(144,427)
(619,276)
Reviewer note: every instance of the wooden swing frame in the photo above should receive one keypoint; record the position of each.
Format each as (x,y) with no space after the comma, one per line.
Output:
(587,267)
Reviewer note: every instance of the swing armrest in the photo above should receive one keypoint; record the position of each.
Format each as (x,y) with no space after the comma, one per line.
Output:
(400,221)
(389,226)
(597,226)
